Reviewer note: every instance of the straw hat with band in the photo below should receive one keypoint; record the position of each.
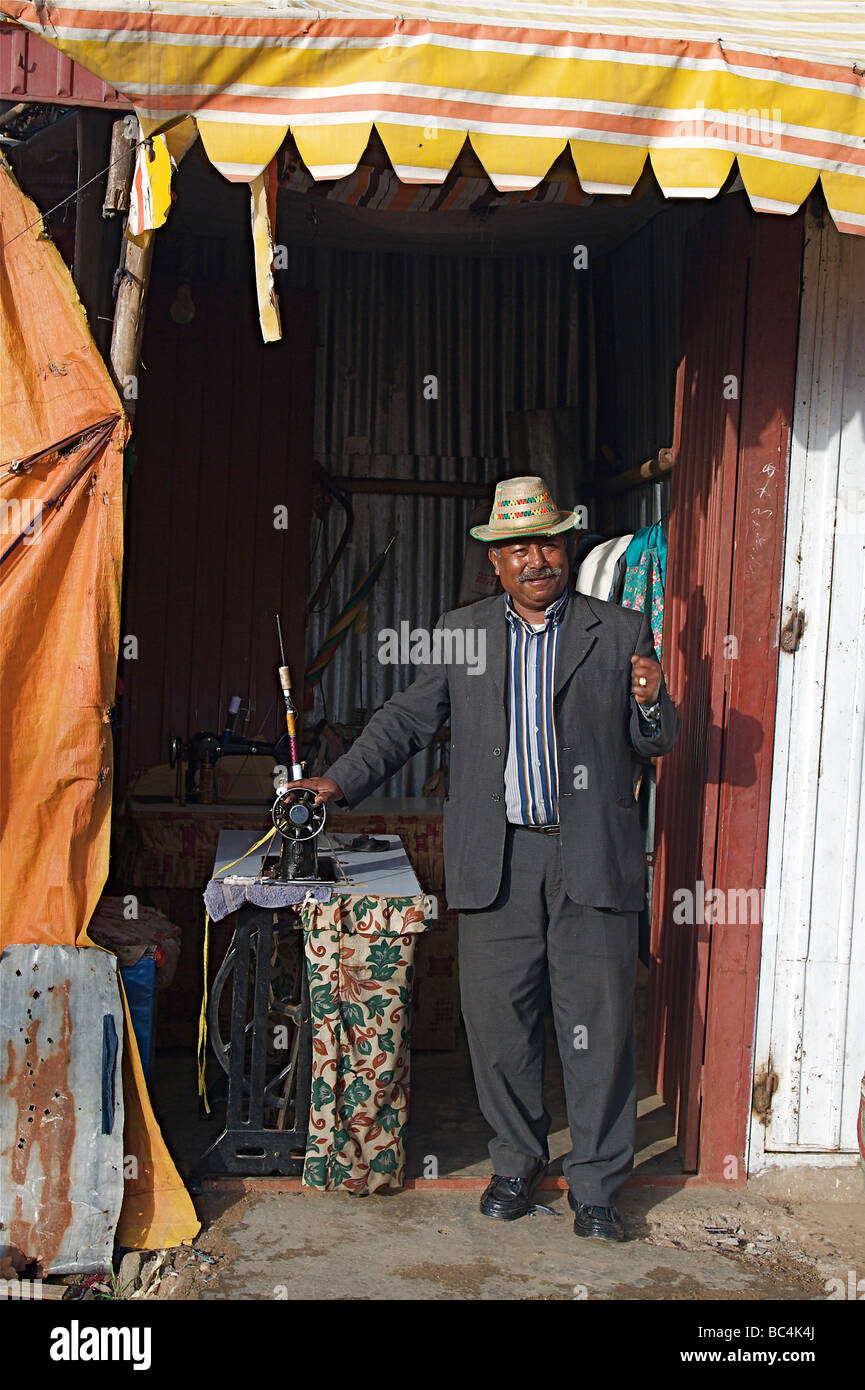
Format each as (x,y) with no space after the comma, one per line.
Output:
(523,507)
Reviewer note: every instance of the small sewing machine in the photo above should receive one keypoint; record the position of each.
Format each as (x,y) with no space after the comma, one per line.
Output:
(202,750)
(299,822)
(201,753)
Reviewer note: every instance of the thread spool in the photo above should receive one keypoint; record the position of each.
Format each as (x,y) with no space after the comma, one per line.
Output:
(285,682)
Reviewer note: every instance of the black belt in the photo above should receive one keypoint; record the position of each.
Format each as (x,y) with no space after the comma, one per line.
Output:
(539,829)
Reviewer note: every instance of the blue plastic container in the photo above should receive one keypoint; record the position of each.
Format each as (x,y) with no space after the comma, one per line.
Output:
(139,981)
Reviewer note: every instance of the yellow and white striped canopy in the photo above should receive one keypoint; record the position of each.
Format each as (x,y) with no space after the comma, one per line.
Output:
(777,85)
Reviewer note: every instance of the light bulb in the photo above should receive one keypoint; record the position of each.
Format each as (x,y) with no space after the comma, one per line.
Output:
(183,309)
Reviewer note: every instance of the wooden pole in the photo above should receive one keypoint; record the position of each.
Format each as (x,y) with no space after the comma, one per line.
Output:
(133,272)
(647,472)
(134,276)
(124,135)
(13,113)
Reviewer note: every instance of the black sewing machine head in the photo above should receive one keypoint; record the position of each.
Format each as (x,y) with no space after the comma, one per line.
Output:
(201,753)
(299,822)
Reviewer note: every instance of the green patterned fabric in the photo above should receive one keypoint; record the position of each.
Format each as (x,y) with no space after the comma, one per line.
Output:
(359,953)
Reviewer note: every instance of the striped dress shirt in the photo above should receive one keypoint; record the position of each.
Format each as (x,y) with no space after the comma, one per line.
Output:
(531,773)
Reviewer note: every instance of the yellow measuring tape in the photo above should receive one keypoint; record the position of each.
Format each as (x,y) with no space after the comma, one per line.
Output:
(202,1018)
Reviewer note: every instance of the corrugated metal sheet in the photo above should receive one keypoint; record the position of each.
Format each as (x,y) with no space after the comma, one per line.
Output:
(32,70)
(641,286)
(223,438)
(61,1107)
(499,335)
(811,1013)
(419,582)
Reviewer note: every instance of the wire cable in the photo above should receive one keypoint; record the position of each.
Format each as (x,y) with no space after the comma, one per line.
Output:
(147,140)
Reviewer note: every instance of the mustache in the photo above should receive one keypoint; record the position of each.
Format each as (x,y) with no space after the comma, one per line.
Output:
(543,572)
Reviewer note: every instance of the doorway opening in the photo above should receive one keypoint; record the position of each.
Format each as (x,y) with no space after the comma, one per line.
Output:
(428,351)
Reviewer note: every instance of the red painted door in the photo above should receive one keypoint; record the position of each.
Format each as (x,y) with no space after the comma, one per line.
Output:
(734,403)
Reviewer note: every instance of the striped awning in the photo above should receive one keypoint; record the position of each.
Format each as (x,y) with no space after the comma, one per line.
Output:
(776,85)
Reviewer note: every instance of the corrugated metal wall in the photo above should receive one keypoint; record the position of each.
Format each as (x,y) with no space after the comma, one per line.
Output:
(638,290)
(223,436)
(33,69)
(811,1011)
(499,334)
(638,309)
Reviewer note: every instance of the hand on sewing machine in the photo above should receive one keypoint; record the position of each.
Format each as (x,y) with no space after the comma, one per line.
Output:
(325,789)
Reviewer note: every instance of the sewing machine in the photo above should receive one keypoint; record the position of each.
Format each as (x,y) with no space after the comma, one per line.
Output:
(261,990)
(299,823)
(201,753)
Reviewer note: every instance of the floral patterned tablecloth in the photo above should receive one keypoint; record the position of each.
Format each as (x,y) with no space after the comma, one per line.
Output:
(359,959)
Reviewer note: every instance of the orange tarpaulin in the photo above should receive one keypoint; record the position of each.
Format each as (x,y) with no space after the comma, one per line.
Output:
(62,432)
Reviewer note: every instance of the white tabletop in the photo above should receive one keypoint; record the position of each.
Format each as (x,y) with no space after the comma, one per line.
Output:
(381,873)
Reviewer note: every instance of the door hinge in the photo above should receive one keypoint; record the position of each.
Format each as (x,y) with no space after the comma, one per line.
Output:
(791,632)
(765,1086)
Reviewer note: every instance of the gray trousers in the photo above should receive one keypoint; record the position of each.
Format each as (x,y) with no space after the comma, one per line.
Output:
(504,953)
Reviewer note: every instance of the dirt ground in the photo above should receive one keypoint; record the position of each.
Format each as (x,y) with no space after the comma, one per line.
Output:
(796,1234)
(793,1237)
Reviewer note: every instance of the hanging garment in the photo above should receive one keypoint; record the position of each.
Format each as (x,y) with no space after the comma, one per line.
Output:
(596,573)
(618,581)
(586,541)
(645,578)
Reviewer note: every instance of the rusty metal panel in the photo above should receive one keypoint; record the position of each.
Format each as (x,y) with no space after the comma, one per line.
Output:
(61,1107)
(33,70)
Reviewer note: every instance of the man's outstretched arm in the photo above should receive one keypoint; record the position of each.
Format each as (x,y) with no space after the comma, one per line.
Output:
(408,722)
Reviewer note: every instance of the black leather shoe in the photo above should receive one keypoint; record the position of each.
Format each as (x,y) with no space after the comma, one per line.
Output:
(602,1223)
(509,1198)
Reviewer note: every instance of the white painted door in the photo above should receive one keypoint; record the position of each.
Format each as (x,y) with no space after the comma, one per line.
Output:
(811,1006)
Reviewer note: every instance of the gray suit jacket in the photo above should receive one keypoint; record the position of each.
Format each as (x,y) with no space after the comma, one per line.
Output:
(597,729)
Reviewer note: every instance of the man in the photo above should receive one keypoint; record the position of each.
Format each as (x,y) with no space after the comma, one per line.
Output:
(543,847)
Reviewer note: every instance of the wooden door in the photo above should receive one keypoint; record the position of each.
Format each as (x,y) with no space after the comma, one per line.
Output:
(734,404)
